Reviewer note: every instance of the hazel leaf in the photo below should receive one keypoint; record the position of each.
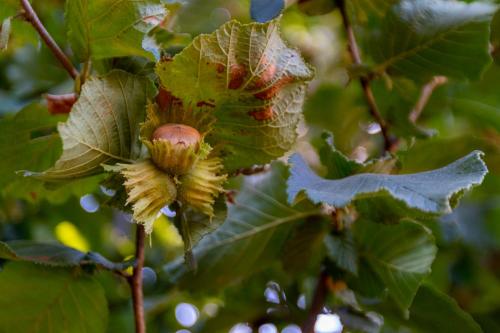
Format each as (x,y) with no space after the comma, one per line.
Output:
(103,126)
(250,81)
(434,192)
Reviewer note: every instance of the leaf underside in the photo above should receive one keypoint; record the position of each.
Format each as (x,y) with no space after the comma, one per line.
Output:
(431,192)
(103,126)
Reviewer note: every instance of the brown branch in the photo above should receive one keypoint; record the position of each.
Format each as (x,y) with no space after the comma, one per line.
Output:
(317,304)
(365,82)
(135,281)
(425,95)
(32,17)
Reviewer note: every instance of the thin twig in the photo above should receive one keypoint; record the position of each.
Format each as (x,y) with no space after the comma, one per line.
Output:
(318,302)
(135,281)
(365,82)
(32,17)
(425,95)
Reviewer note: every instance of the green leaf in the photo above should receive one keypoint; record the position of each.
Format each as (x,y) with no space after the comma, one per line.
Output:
(41,253)
(252,237)
(424,38)
(431,311)
(434,311)
(364,8)
(400,265)
(40,299)
(8,8)
(103,126)
(342,251)
(110,28)
(250,81)
(432,192)
(28,141)
(54,255)
(316,7)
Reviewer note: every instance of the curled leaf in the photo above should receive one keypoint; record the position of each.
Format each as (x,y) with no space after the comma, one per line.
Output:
(250,81)
(103,126)
(432,192)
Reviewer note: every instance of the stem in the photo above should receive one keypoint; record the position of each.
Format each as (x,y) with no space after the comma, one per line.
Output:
(365,82)
(135,281)
(32,17)
(425,95)
(318,302)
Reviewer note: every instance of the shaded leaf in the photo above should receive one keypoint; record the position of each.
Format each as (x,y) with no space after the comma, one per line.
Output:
(250,81)
(42,253)
(41,299)
(305,248)
(342,251)
(265,10)
(400,265)
(433,191)
(316,7)
(253,235)
(103,126)
(28,141)
(432,311)
(110,28)
(54,255)
(424,38)
(8,8)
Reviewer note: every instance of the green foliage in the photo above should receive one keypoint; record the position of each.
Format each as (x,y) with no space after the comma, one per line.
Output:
(28,141)
(423,38)
(433,192)
(375,219)
(39,299)
(253,236)
(117,103)
(108,29)
(250,81)
(401,266)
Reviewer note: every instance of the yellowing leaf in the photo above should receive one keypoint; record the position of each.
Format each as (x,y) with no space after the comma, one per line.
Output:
(103,126)
(251,81)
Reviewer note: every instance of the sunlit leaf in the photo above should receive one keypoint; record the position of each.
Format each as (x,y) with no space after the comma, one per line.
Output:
(103,126)
(250,81)
(433,191)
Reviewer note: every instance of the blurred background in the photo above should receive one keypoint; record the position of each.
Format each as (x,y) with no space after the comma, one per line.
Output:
(460,117)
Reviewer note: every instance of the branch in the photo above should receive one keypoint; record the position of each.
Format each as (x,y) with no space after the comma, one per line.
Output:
(135,281)
(365,82)
(317,304)
(425,95)
(32,17)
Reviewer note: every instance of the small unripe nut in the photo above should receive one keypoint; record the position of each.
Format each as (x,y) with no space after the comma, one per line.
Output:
(174,148)
(178,134)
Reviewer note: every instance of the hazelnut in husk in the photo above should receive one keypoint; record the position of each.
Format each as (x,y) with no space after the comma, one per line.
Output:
(175,148)
(148,189)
